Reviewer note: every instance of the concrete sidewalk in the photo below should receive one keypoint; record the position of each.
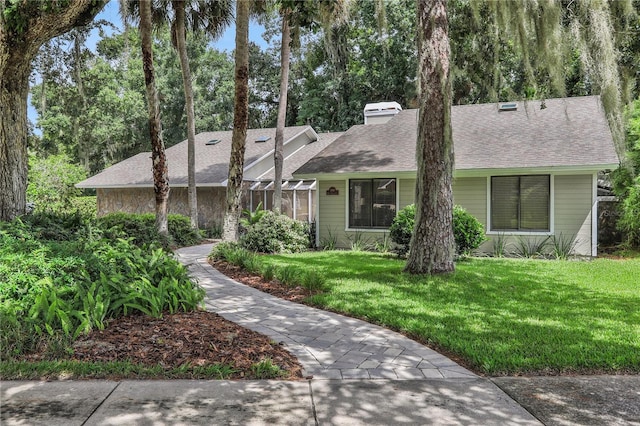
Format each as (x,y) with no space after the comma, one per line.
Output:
(314,402)
(359,374)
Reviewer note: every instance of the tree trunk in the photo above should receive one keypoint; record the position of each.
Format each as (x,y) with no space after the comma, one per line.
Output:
(23,29)
(240,123)
(278,156)
(13,143)
(158,156)
(181,45)
(432,243)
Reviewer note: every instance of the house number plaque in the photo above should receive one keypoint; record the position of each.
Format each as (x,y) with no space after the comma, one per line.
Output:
(332,191)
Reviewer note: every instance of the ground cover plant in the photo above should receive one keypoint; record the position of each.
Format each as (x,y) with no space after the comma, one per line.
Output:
(74,303)
(497,316)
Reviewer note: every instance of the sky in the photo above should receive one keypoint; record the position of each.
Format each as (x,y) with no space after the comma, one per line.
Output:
(110,13)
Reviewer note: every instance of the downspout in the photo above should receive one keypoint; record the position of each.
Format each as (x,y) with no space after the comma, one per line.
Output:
(594,216)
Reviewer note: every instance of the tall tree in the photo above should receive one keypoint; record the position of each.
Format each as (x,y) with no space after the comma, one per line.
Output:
(240,123)
(180,36)
(278,155)
(431,249)
(24,27)
(432,242)
(158,155)
(214,17)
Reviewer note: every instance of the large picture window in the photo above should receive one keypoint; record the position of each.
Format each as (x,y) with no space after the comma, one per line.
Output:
(372,203)
(520,203)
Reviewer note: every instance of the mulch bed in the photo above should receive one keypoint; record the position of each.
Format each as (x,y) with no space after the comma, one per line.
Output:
(197,338)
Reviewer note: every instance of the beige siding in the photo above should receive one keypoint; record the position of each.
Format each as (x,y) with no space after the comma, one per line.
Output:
(407,188)
(573,200)
(211,203)
(471,194)
(331,223)
(572,210)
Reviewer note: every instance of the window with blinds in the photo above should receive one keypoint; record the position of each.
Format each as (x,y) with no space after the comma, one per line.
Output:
(520,203)
(372,203)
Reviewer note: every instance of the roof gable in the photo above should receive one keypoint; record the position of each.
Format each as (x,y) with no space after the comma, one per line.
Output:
(212,161)
(569,132)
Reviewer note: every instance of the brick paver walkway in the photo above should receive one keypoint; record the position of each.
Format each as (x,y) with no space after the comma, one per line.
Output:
(328,345)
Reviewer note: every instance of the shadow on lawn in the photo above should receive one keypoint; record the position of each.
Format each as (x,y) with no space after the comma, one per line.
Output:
(501,316)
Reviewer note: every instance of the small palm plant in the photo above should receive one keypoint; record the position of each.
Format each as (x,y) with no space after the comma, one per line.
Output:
(251,218)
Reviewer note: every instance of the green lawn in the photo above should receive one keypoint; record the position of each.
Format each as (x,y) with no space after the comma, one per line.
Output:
(503,316)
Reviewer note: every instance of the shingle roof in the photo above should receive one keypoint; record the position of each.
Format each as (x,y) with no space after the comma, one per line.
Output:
(568,132)
(297,159)
(212,161)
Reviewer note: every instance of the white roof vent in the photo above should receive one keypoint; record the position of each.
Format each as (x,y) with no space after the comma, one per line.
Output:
(380,112)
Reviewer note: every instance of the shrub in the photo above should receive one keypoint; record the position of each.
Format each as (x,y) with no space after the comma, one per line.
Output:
(468,232)
(630,221)
(51,182)
(402,228)
(181,232)
(142,229)
(276,233)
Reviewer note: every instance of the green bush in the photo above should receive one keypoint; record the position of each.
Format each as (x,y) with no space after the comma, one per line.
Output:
(468,232)
(141,228)
(51,182)
(629,223)
(276,233)
(402,228)
(181,232)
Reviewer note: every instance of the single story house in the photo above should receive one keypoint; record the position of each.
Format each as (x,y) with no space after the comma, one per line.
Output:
(526,170)
(128,186)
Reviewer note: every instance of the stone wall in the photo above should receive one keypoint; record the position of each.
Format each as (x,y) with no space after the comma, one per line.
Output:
(211,203)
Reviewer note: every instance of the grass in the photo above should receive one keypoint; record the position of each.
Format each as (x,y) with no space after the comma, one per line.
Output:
(48,370)
(502,316)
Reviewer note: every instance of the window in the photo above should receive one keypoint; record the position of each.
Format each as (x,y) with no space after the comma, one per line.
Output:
(372,203)
(520,203)
(298,198)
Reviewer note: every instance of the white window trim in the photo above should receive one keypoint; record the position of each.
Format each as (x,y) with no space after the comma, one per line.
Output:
(346,205)
(551,230)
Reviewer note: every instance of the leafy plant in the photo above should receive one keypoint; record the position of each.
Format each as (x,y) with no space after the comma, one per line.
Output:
(289,275)
(276,233)
(141,228)
(358,241)
(214,231)
(266,369)
(402,228)
(531,246)
(468,232)
(331,241)
(629,223)
(61,288)
(268,272)
(51,182)
(563,247)
(313,281)
(251,218)
(499,245)
(384,245)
